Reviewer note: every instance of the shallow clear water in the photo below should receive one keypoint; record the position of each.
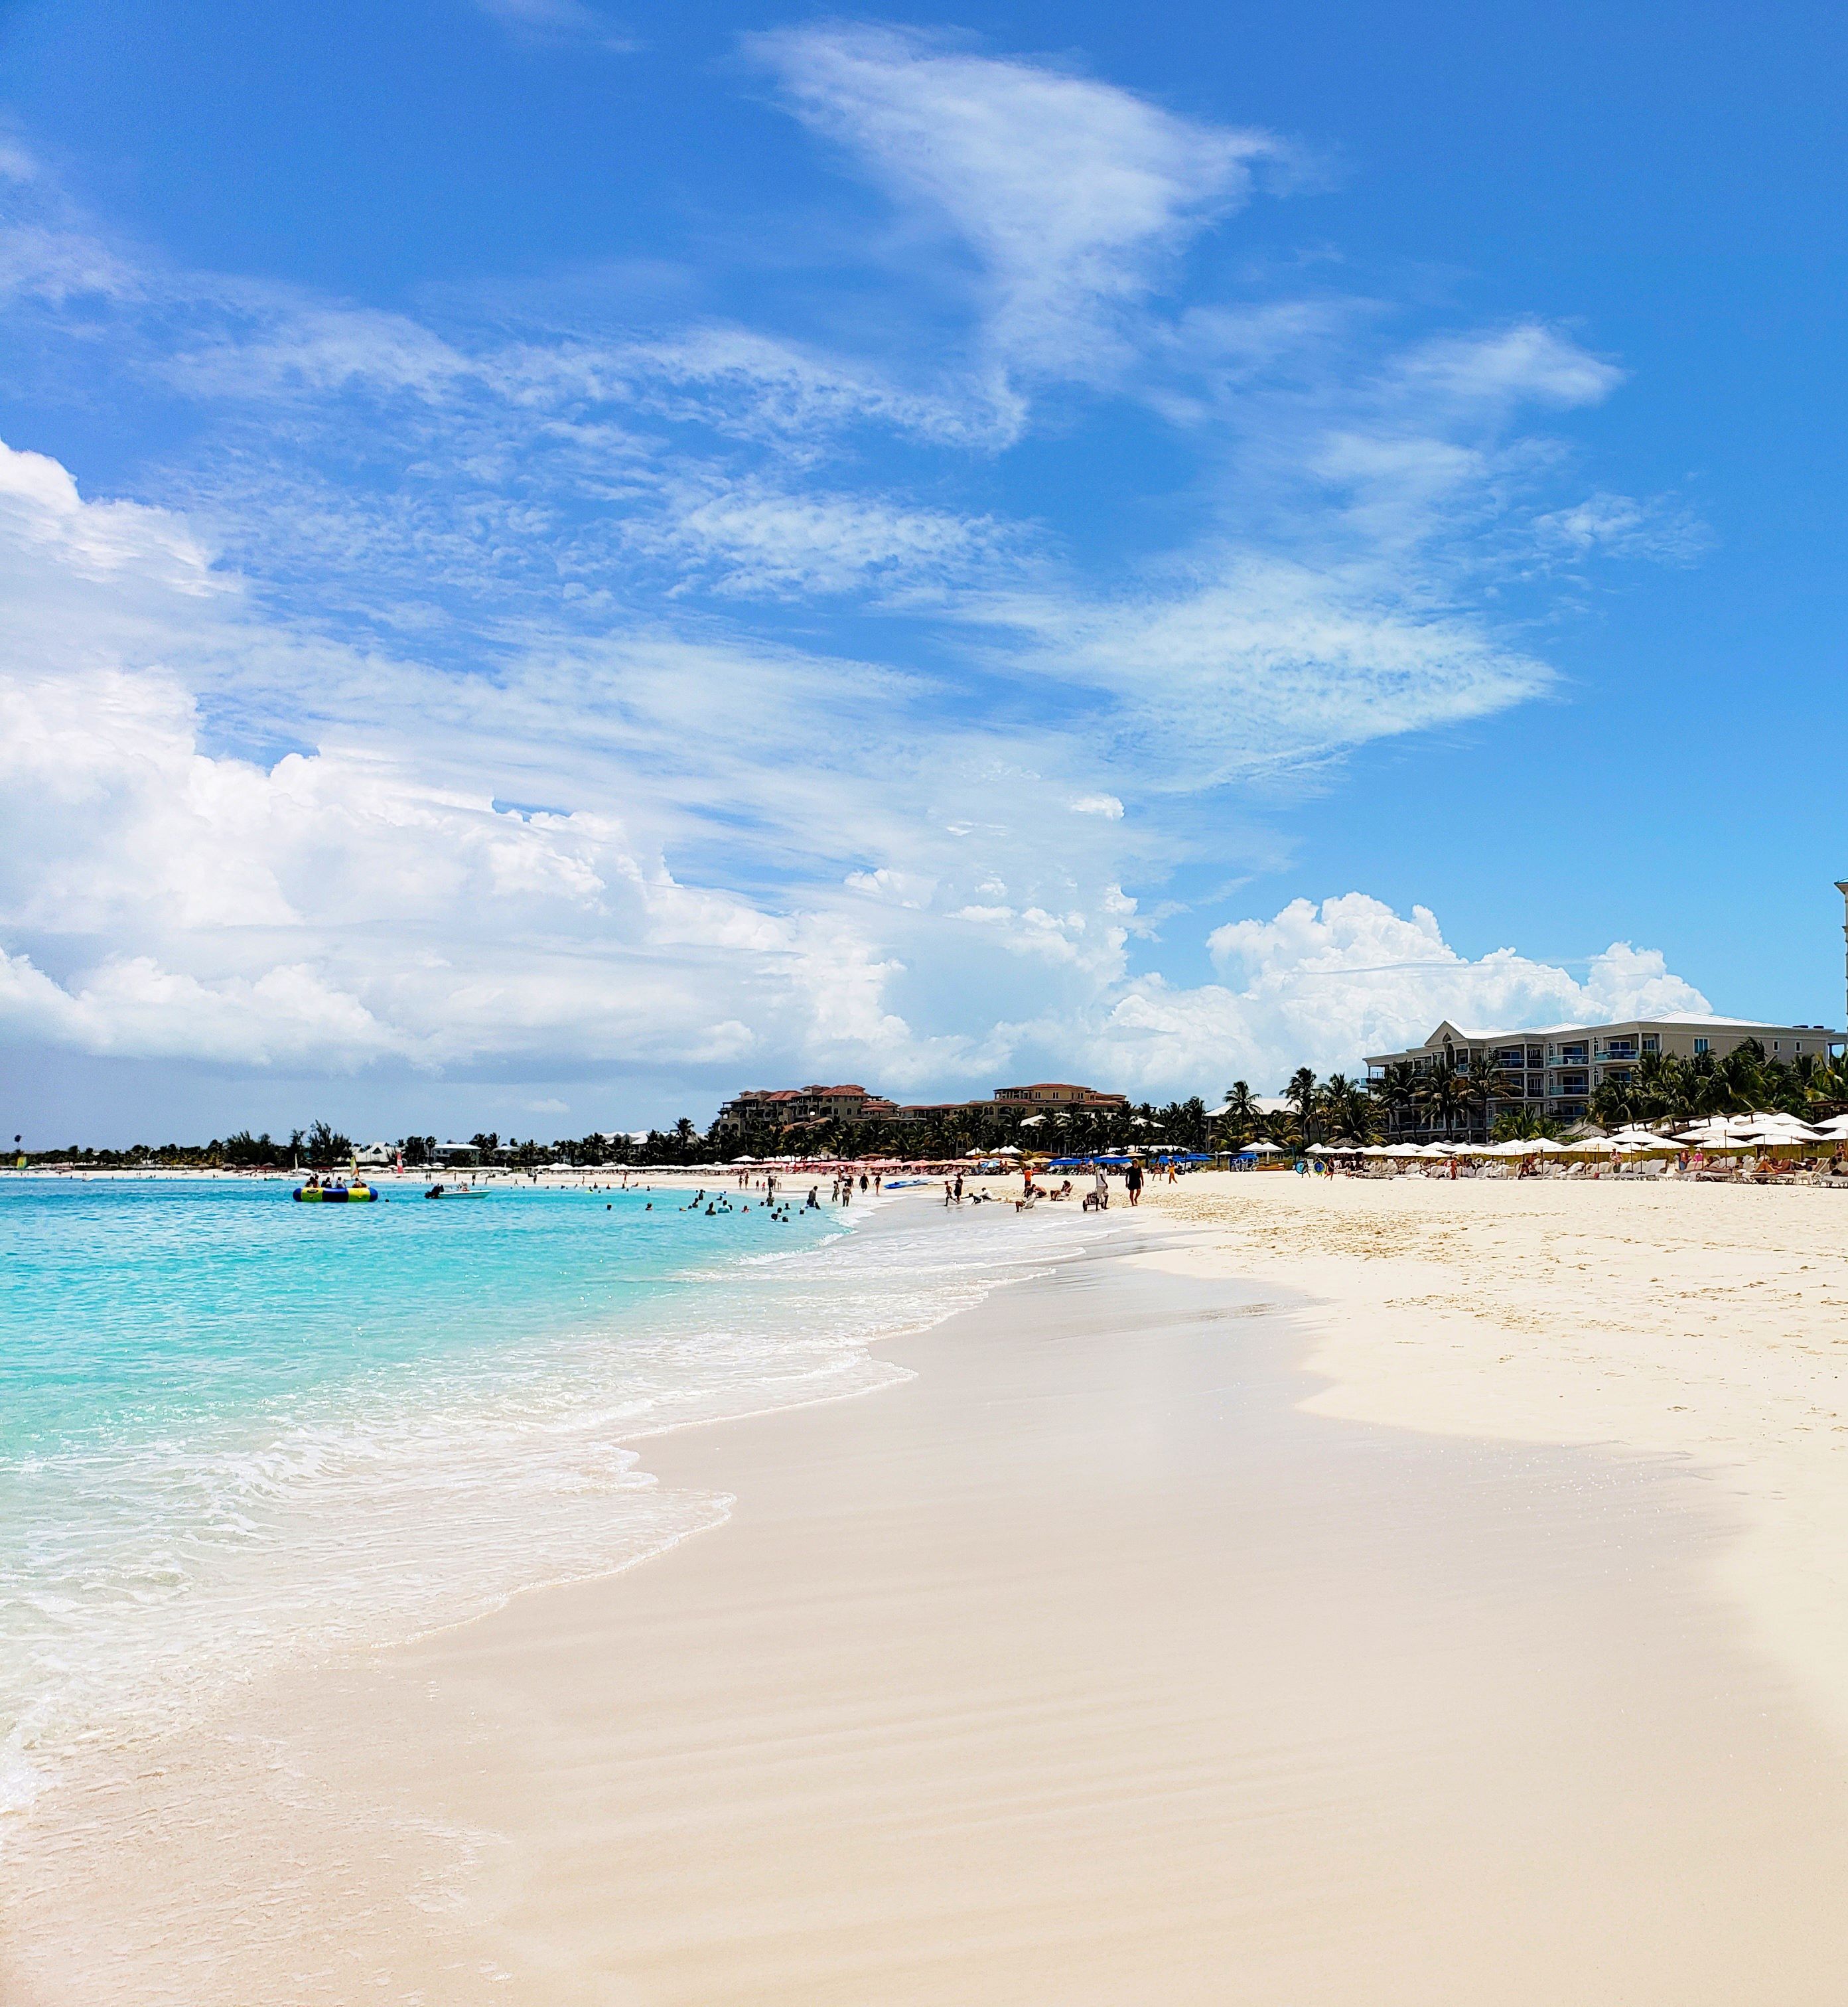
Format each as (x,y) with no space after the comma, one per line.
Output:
(231,1426)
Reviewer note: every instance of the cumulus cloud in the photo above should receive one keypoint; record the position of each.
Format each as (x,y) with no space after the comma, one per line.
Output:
(1324,985)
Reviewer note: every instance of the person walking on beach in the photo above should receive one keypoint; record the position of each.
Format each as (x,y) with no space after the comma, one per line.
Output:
(959,1188)
(1103,1188)
(1132,1181)
(947,1194)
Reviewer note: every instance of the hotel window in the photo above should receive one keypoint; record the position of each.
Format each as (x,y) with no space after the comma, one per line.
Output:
(1700,1045)
(1651,1043)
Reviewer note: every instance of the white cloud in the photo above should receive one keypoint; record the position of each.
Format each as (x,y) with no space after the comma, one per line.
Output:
(1325,985)
(1072,195)
(1109,806)
(557,20)
(1527,361)
(1272,663)
(1624,527)
(753,538)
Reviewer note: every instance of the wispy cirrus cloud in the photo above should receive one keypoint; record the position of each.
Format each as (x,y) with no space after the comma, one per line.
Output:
(1072,197)
(558,20)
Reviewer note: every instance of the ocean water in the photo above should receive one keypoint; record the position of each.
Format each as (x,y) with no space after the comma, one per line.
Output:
(232,1426)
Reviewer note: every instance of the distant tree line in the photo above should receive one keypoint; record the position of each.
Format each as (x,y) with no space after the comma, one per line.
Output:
(1336,1109)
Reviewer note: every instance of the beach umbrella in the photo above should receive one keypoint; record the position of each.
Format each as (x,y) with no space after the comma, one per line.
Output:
(1007,1150)
(1646,1139)
(744,1160)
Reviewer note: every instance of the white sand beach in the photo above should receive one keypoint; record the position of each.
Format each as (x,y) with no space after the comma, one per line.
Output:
(1118,1656)
(1706,1324)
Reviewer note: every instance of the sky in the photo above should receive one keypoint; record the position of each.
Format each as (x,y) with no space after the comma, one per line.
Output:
(558,561)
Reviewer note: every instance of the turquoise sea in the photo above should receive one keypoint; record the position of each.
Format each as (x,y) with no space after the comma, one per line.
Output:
(232,1426)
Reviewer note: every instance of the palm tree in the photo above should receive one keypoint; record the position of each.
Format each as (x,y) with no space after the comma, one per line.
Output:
(1523,1125)
(1828,1085)
(1346,1110)
(1445,1091)
(1238,1124)
(1741,1076)
(1398,1088)
(1301,1095)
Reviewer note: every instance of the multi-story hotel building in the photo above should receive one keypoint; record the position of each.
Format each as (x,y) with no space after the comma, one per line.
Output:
(1554,1070)
(781,1107)
(788,1106)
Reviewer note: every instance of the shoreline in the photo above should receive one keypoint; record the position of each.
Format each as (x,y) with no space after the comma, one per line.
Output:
(1096,1662)
(631,1389)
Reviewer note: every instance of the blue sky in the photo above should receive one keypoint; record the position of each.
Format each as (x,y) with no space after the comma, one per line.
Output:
(559,562)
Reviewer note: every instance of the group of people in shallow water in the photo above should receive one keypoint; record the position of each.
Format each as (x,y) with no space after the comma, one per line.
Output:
(715,1204)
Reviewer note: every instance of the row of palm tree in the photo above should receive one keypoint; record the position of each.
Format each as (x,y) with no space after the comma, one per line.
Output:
(1664,1088)
(1335,1110)
(1445,1095)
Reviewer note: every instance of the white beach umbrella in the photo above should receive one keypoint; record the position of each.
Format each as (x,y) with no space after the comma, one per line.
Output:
(1645,1139)
(1006,1150)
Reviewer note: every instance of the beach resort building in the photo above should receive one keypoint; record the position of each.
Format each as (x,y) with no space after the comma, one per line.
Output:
(785,1107)
(1053,1097)
(1553,1070)
(790,1107)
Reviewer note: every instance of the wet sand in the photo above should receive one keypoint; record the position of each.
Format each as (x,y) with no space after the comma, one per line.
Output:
(1084,1667)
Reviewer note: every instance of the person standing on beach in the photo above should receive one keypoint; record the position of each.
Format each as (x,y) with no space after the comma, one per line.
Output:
(947,1194)
(1103,1188)
(1132,1181)
(959,1188)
